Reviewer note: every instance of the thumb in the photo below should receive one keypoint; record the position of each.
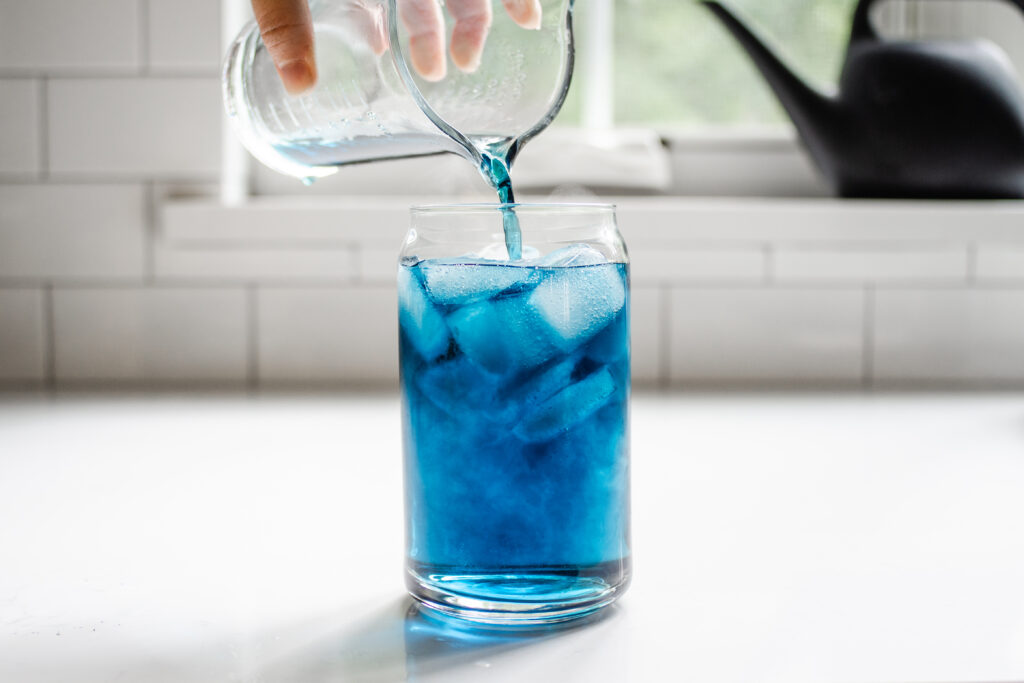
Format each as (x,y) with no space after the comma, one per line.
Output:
(287,30)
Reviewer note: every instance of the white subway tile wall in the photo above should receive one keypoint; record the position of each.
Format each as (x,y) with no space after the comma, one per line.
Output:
(157,126)
(328,336)
(949,337)
(69,36)
(184,35)
(20,136)
(374,221)
(257,264)
(309,296)
(647,334)
(160,334)
(378,263)
(110,116)
(995,262)
(778,337)
(727,264)
(860,263)
(72,232)
(22,335)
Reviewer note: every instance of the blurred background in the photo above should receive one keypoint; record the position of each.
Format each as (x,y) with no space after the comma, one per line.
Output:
(131,256)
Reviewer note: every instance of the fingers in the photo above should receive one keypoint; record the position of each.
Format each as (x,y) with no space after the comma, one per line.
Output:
(472,22)
(369,23)
(526,13)
(425,25)
(423,20)
(287,30)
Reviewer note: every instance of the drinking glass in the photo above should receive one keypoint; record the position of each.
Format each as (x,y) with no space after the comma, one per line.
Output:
(515,387)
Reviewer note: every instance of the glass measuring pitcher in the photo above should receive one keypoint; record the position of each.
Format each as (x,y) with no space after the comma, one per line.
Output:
(369,104)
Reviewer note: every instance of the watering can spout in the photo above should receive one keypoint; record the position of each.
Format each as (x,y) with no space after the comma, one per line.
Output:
(809,109)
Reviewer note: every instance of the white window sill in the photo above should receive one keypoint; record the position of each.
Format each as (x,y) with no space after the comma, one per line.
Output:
(764,162)
(671,239)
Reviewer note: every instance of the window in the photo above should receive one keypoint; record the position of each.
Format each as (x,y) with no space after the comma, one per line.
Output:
(675,67)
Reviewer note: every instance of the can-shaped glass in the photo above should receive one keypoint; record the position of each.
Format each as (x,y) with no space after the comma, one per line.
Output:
(515,406)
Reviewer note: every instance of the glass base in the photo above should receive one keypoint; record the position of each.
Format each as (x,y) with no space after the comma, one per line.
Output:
(519,596)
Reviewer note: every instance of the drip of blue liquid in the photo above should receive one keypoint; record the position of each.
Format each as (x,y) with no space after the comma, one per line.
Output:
(496,172)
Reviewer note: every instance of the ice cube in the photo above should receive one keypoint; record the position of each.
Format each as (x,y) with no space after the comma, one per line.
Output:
(503,335)
(577,302)
(612,342)
(567,408)
(573,255)
(540,386)
(461,282)
(529,253)
(497,251)
(460,388)
(419,318)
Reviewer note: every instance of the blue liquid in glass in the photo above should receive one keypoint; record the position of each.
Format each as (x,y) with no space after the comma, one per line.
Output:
(515,388)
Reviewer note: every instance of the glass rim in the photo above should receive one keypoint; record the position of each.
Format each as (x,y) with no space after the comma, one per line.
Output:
(479,207)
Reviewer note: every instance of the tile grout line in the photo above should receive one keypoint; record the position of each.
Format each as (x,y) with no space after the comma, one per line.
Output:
(186,282)
(143,46)
(357,252)
(972,264)
(868,359)
(149,233)
(665,337)
(252,348)
(108,73)
(197,282)
(44,128)
(49,339)
(104,178)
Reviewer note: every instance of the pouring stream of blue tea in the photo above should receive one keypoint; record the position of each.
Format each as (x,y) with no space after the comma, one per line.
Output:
(495,170)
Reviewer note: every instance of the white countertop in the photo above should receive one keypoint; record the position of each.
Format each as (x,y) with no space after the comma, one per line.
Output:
(787,538)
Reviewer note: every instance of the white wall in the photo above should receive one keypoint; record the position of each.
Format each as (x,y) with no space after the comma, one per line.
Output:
(297,293)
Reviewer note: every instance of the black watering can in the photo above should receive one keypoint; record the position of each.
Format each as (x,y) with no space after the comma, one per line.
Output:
(933,119)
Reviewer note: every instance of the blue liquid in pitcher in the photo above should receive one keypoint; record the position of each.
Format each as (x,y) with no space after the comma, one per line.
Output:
(515,385)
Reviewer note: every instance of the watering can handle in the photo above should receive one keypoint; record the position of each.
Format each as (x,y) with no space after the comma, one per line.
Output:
(863,30)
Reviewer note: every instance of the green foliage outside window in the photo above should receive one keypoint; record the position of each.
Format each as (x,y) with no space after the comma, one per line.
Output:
(675,66)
